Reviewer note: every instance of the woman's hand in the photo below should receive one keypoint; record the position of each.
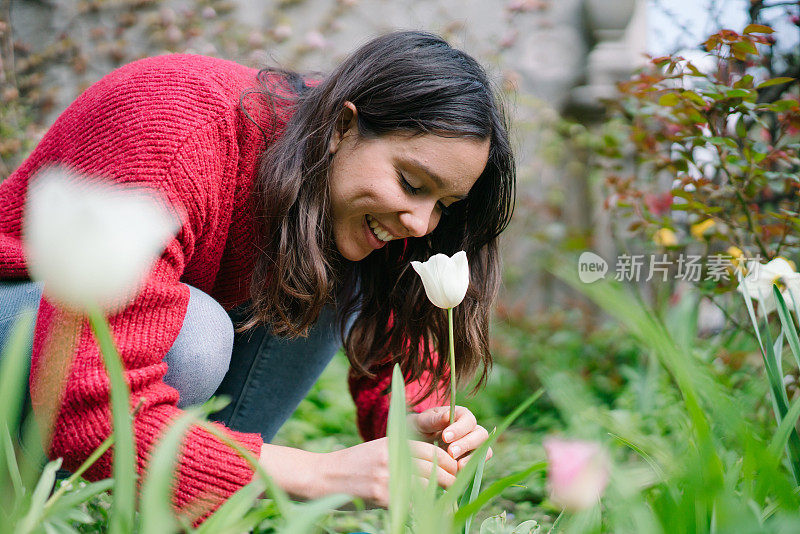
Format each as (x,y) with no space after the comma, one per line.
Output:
(460,438)
(363,470)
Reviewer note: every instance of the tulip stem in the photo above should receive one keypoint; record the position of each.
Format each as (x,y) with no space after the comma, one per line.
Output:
(124,458)
(452,366)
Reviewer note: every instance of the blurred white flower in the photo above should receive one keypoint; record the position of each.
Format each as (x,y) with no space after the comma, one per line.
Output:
(577,473)
(316,40)
(445,278)
(282,32)
(92,243)
(757,285)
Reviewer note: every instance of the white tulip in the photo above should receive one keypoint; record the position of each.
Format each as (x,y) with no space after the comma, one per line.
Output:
(446,281)
(92,243)
(757,285)
(445,278)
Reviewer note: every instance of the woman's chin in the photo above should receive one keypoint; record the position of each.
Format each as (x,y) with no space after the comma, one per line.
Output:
(351,252)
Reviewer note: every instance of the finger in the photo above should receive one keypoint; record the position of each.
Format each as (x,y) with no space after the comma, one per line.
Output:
(425,468)
(465,460)
(426,451)
(433,420)
(416,429)
(464,423)
(468,443)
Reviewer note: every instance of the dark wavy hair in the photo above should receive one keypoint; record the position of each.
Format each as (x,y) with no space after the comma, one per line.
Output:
(402,82)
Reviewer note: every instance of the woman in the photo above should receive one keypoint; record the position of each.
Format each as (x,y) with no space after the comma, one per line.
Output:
(304,204)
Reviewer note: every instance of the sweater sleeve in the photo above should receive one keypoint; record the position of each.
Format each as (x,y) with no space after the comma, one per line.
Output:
(208,471)
(372,407)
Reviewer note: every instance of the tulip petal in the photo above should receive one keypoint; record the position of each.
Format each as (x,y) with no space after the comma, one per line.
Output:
(91,242)
(428,282)
(445,279)
(778,267)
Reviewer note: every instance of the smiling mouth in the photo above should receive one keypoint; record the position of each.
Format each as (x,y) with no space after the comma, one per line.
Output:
(379,231)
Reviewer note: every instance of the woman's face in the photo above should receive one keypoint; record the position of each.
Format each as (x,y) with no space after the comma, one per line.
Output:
(396,185)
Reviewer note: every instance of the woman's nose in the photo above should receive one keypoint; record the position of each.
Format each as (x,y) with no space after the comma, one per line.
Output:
(421,220)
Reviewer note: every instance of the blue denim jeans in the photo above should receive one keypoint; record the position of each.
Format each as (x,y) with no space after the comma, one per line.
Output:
(265,376)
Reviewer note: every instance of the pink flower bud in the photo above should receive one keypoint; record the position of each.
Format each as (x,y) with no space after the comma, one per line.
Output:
(577,474)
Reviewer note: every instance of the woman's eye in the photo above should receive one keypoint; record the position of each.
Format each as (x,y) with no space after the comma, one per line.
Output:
(444,210)
(408,187)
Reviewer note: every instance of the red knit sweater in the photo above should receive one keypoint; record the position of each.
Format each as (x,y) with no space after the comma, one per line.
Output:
(172,123)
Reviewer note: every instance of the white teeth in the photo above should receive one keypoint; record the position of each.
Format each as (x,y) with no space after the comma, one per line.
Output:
(379,231)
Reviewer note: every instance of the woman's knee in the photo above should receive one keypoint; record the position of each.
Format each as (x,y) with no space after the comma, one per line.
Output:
(18,298)
(201,354)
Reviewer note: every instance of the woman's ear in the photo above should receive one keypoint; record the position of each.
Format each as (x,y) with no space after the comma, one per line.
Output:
(346,124)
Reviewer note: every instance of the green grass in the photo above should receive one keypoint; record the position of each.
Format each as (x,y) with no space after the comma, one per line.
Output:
(605,384)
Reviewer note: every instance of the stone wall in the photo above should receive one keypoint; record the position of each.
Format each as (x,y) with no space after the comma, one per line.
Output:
(550,56)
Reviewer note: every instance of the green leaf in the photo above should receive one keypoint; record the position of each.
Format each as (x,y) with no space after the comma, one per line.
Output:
(124,504)
(745,82)
(779,106)
(78,496)
(741,128)
(712,42)
(465,475)
(641,452)
(156,510)
(788,325)
(692,380)
(694,70)
(743,48)
(250,520)
(774,81)
(669,100)
(495,489)
(779,399)
(73,479)
(425,515)
(472,491)
(11,462)
(527,527)
(785,429)
(694,97)
(495,525)
(276,492)
(399,455)
(39,497)
(14,369)
(233,508)
(757,28)
(307,515)
(738,93)
(156,495)
(720,141)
